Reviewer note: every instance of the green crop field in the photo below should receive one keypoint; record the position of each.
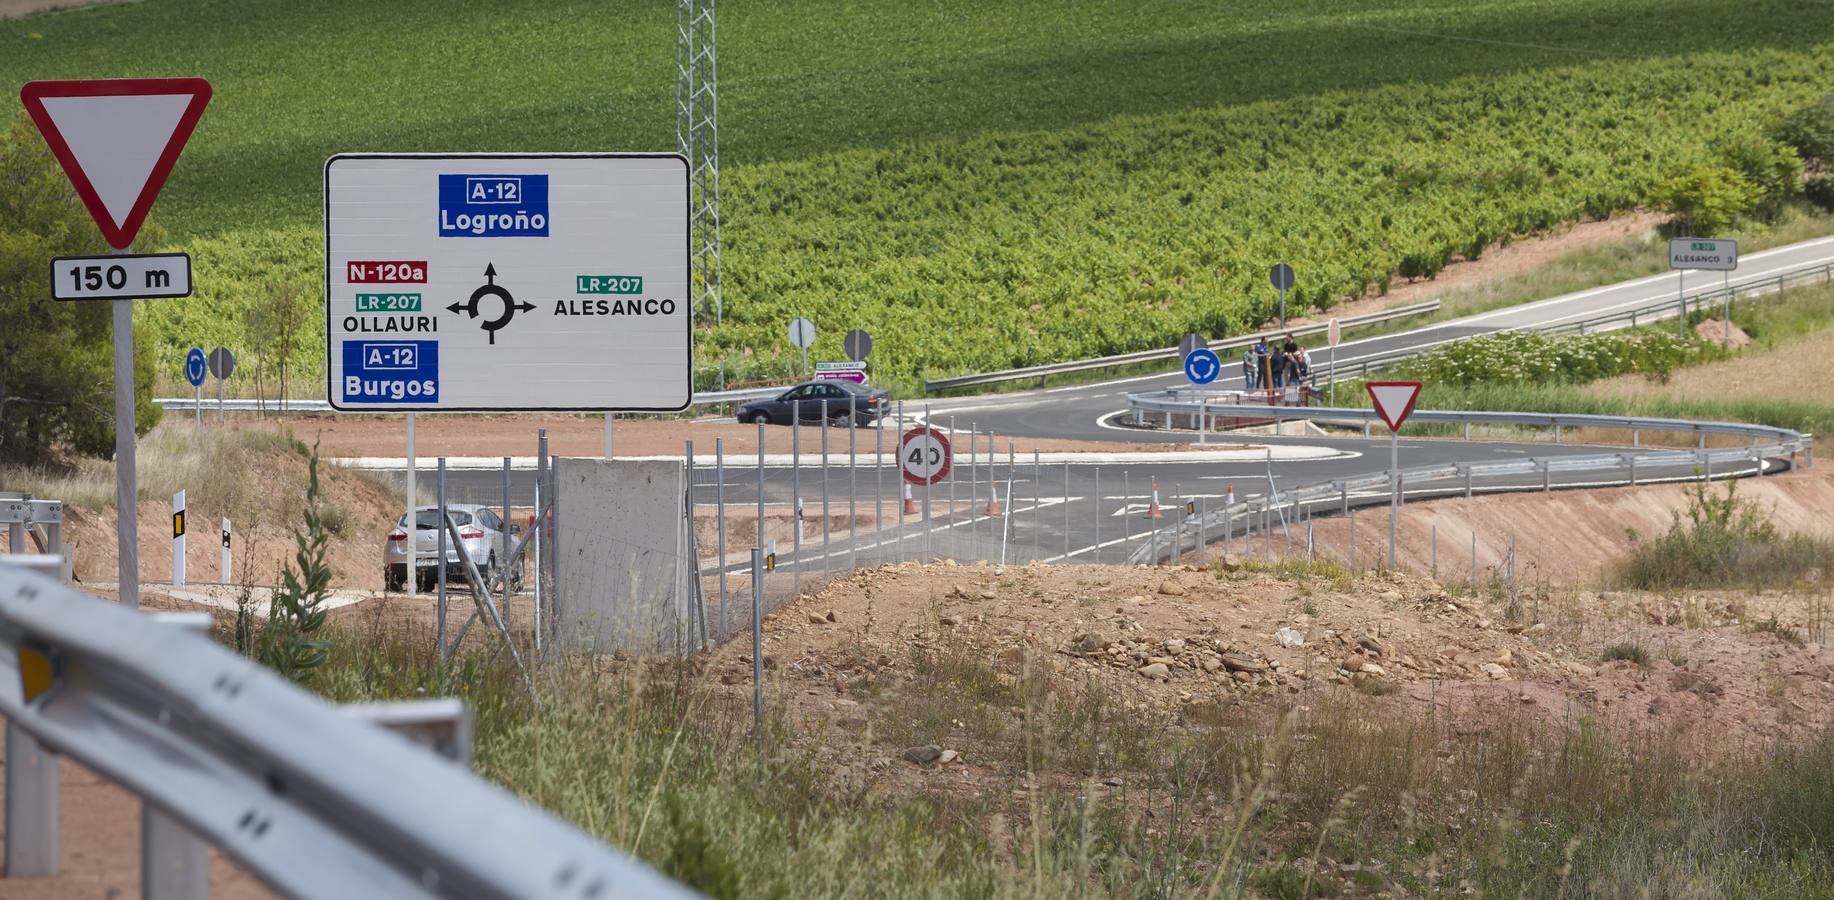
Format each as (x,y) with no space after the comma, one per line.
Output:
(980,185)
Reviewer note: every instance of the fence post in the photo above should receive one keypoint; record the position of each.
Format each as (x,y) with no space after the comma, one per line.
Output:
(757,626)
(503,560)
(1547,476)
(1127,525)
(1632,458)
(174,861)
(1435,564)
(1037,506)
(1557,432)
(1474,559)
(32,787)
(1066,511)
(1200,530)
(719,476)
(1095,554)
(974,483)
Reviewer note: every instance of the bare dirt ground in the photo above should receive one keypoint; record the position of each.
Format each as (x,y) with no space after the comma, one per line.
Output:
(1246,645)
(1565,538)
(440,435)
(1799,369)
(364,510)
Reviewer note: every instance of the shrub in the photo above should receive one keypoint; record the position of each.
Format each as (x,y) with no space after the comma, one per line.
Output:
(1706,199)
(1723,540)
(1520,356)
(1820,191)
(1810,130)
(1627,651)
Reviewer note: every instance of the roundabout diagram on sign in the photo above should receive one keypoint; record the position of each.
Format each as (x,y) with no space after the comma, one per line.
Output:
(491,288)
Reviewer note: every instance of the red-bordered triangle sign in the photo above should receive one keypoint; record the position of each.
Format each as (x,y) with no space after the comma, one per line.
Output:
(1394,400)
(117,139)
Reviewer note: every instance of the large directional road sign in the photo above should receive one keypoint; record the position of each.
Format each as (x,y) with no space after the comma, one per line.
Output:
(507,282)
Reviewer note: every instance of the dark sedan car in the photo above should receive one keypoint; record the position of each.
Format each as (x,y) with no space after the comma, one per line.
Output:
(867,404)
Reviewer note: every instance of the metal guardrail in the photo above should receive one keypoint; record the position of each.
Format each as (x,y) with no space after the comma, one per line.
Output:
(187,404)
(1122,359)
(314,802)
(1765,442)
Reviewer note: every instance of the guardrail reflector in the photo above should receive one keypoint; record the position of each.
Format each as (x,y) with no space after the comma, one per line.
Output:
(36,674)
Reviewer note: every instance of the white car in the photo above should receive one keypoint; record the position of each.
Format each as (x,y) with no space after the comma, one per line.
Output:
(485,535)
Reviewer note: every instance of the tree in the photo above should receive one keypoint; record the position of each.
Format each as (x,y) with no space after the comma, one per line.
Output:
(56,358)
(1706,200)
(272,326)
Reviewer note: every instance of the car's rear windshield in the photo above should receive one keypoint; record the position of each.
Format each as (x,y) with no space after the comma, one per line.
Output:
(428,519)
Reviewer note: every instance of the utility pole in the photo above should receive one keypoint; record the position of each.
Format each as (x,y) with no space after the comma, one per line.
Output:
(697,136)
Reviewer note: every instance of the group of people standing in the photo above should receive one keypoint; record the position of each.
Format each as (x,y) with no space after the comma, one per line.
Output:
(1278,364)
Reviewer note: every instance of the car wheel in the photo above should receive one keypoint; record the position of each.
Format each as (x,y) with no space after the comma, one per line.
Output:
(763,417)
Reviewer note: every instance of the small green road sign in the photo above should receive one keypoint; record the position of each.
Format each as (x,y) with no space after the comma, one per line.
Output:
(388,303)
(608,284)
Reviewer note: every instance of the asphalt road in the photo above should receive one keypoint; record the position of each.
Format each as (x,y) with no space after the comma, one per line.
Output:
(1088,511)
(1079,411)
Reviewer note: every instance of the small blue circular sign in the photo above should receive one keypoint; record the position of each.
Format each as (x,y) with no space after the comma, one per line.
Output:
(1202,366)
(195,365)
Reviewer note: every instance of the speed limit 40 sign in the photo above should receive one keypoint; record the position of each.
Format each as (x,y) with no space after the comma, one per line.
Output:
(924,455)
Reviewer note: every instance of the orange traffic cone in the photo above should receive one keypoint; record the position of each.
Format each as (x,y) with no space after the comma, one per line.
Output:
(993,501)
(910,505)
(1152,512)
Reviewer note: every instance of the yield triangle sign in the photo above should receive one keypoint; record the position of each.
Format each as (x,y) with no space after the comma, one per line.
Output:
(117,140)
(1394,400)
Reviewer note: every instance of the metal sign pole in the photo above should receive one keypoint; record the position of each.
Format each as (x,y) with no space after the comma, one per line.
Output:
(826,527)
(1283,309)
(413,557)
(853,494)
(1681,296)
(928,483)
(796,487)
(504,562)
(127,536)
(610,418)
(439,562)
(1394,491)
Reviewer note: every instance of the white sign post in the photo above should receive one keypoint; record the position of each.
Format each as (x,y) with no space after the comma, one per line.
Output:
(1709,254)
(117,141)
(1394,402)
(178,539)
(492,282)
(225,569)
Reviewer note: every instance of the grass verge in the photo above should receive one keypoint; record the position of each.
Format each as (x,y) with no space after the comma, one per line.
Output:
(1075,792)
